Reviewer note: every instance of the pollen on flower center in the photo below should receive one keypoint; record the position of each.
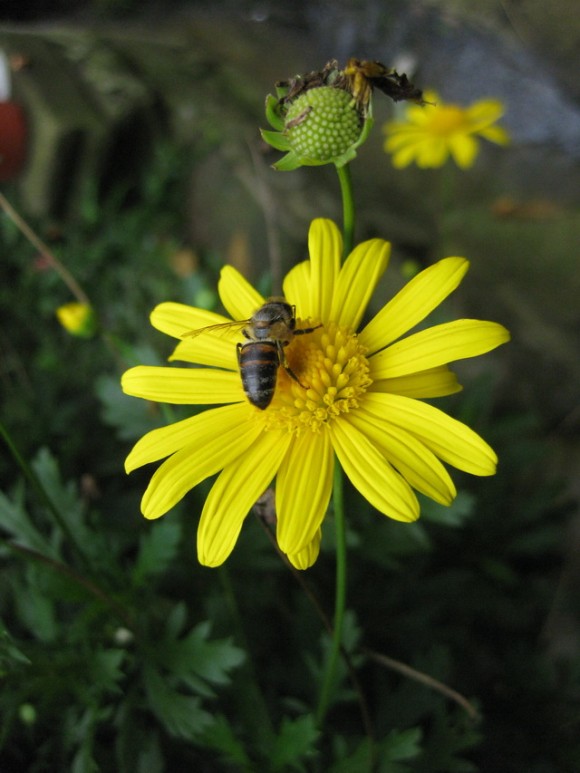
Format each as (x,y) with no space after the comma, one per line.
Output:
(448,119)
(332,373)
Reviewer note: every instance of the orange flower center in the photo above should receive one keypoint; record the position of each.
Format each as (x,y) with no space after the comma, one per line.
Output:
(332,373)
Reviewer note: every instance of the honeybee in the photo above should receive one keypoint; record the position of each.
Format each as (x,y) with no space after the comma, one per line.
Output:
(268,331)
(363,76)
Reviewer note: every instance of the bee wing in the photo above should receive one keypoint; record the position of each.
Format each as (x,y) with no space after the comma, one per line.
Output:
(222,326)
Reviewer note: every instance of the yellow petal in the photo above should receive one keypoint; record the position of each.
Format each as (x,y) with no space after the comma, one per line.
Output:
(209,349)
(371,474)
(213,448)
(464,149)
(432,153)
(303,489)
(435,382)
(188,386)
(484,112)
(235,491)
(495,134)
(164,441)
(325,250)
(238,296)
(448,438)
(413,460)
(413,303)
(436,346)
(357,281)
(175,319)
(295,288)
(404,157)
(306,557)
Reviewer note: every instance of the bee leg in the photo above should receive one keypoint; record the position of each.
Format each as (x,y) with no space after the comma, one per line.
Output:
(293,375)
(302,331)
(284,363)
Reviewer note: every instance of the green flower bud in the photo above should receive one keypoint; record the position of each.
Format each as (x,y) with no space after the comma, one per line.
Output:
(317,119)
(322,124)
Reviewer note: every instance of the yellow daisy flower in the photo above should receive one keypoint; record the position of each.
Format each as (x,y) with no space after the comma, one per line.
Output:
(428,135)
(356,397)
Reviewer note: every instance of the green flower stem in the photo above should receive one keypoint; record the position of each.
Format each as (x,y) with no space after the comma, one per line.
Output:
(43,496)
(348,212)
(340,598)
(337,496)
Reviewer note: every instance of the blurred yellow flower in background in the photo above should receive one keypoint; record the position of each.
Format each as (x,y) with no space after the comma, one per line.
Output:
(77,318)
(356,397)
(429,134)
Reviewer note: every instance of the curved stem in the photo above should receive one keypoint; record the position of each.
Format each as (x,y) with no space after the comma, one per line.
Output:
(348,211)
(340,598)
(49,256)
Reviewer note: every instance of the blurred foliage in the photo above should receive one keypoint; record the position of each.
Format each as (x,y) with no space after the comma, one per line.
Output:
(118,652)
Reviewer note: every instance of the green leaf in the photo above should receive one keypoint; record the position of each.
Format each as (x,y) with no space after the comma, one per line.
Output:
(157,550)
(180,714)
(222,737)
(65,498)
(176,621)
(295,743)
(198,661)
(346,762)
(106,670)
(15,520)
(398,747)
(36,609)
(456,514)
(10,656)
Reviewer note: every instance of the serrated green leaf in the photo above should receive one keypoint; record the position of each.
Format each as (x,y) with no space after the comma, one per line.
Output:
(222,737)
(346,762)
(36,610)
(182,715)
(15,521)
(157,549)
(176,620)
(295,743)
(456,514)
(106,670)
(63,495)
(398,747)
(65,498)
(200,662)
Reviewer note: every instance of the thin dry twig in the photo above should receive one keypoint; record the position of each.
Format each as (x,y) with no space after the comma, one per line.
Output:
(43,249)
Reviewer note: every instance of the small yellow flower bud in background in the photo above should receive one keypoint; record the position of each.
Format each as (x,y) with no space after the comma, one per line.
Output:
(78,319)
